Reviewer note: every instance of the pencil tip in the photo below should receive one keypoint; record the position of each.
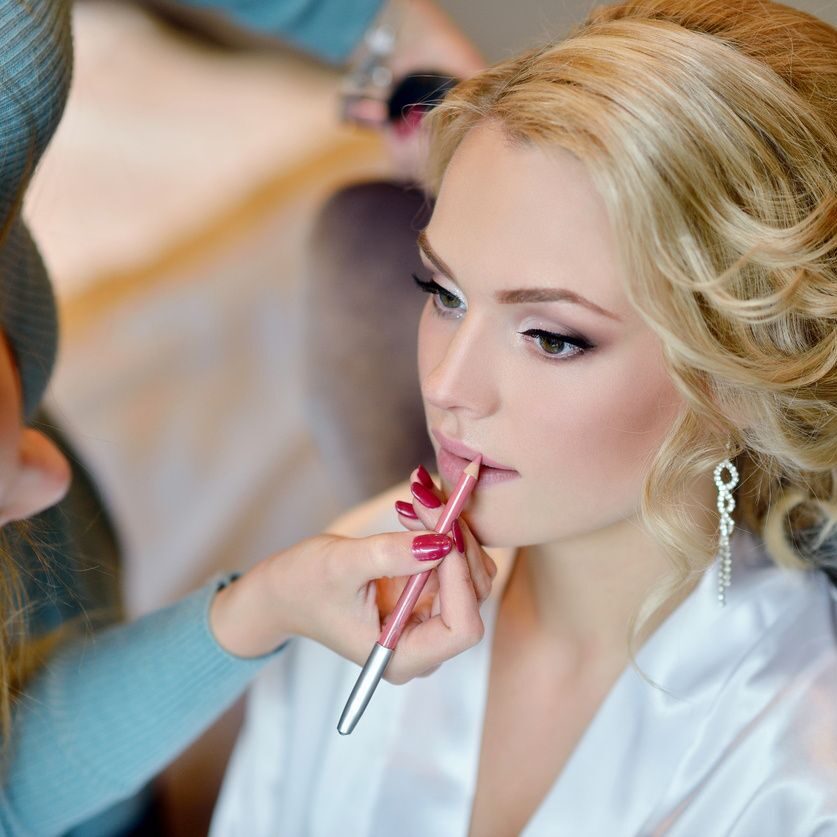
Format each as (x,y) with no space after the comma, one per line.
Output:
(473,469)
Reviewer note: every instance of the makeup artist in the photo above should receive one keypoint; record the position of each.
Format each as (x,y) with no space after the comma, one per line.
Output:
(87,719)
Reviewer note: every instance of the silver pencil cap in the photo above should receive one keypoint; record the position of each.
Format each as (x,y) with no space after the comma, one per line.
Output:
(366,684)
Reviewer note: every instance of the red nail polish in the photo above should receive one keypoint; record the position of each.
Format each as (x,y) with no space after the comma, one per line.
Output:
(406,509)
(431,547)
(424,478)
(425,496)
(458,539)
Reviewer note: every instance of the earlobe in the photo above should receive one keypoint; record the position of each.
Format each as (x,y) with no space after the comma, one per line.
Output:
(43,477)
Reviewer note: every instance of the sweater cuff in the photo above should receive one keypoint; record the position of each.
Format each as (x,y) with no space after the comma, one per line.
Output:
(329,29)
(109,711)
(220,582)
(332,29)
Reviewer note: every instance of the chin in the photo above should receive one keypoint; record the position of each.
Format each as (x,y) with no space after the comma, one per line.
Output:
(494,533)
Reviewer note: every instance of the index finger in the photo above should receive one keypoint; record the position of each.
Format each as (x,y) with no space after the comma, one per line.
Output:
(456,627)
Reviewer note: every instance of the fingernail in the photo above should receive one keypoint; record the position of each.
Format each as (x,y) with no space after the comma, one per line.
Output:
(459,541)
(431,547)
(424,478)
(425,496)
(406,509)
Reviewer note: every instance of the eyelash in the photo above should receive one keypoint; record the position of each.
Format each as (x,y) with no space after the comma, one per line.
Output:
(581,345)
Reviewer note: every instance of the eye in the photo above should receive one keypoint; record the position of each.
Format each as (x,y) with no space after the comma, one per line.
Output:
(445,300)
(551,344)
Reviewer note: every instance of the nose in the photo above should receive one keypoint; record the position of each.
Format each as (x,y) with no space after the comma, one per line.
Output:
(460,378)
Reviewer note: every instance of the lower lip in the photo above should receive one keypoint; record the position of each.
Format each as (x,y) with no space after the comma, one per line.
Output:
(451,468)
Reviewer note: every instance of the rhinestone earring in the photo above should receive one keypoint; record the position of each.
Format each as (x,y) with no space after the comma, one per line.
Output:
(726,503)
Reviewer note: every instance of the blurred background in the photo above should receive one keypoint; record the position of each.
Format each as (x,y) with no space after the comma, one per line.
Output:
(174,210)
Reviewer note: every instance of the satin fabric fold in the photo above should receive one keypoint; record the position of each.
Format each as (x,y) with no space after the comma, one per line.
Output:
(742,740)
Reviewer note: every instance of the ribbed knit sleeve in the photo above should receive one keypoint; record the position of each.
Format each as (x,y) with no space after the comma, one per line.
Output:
(108,713)
(329,29)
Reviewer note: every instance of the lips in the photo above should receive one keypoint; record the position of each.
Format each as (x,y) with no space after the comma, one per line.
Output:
(464,452)
(453,457)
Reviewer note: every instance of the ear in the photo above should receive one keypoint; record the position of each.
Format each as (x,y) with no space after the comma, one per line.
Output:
(42,478)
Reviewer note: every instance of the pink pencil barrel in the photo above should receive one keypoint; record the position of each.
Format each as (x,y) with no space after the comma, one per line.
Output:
(396,621)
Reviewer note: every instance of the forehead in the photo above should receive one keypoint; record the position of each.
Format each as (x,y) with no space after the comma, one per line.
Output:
(510,214)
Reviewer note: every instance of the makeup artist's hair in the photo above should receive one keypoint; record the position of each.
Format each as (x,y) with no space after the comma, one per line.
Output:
(21,655)
(710,130)
(30,112)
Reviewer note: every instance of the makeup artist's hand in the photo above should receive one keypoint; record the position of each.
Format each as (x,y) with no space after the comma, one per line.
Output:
(338,590)
(423,510)
(428,39)
(422,513)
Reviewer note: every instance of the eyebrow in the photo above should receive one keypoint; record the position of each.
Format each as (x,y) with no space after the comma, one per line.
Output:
(518,295)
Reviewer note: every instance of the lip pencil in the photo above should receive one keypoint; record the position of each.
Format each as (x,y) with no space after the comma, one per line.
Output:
(381,653)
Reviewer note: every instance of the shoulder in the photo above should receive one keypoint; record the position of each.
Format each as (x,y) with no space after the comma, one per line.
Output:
(815,681)
(789,682)
(787,617)
(762,752)
(793,750)
(36,59)
(799,646)
(777,654)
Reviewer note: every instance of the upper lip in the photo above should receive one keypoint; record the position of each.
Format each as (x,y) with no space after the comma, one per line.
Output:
(458,449)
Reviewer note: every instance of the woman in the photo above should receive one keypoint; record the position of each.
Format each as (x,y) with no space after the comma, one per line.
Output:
(85,720)
(632,318)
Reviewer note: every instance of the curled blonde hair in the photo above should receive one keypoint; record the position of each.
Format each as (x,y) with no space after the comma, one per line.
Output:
(710,130)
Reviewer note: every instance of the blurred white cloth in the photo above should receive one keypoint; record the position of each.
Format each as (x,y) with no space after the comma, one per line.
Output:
(185,401)
(173,209)
(161,133)
(745,747)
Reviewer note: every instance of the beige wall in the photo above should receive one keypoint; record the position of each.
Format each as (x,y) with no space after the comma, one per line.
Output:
(503,27)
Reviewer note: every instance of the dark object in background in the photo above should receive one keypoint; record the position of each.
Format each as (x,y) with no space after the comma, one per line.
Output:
(418,92)
(360,320)
(401,102)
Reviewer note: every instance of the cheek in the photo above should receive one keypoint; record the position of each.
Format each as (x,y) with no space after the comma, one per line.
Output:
(431,342)
(583,440)
(603,431)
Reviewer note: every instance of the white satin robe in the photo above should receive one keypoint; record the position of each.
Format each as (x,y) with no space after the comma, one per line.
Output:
(745,747)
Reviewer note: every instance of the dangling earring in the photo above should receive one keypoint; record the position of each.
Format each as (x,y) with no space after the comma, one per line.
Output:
(726,503)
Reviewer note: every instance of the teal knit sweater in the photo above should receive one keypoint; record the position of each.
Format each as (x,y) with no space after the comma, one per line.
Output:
(106,714)
(110,710)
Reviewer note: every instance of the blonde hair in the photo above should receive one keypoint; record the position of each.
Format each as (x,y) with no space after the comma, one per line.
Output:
(710,130)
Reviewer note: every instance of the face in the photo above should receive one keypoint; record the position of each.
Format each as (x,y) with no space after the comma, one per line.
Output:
(34,474)
(571,399)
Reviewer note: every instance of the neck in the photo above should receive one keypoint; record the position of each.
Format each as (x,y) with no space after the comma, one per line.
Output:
(578,595)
